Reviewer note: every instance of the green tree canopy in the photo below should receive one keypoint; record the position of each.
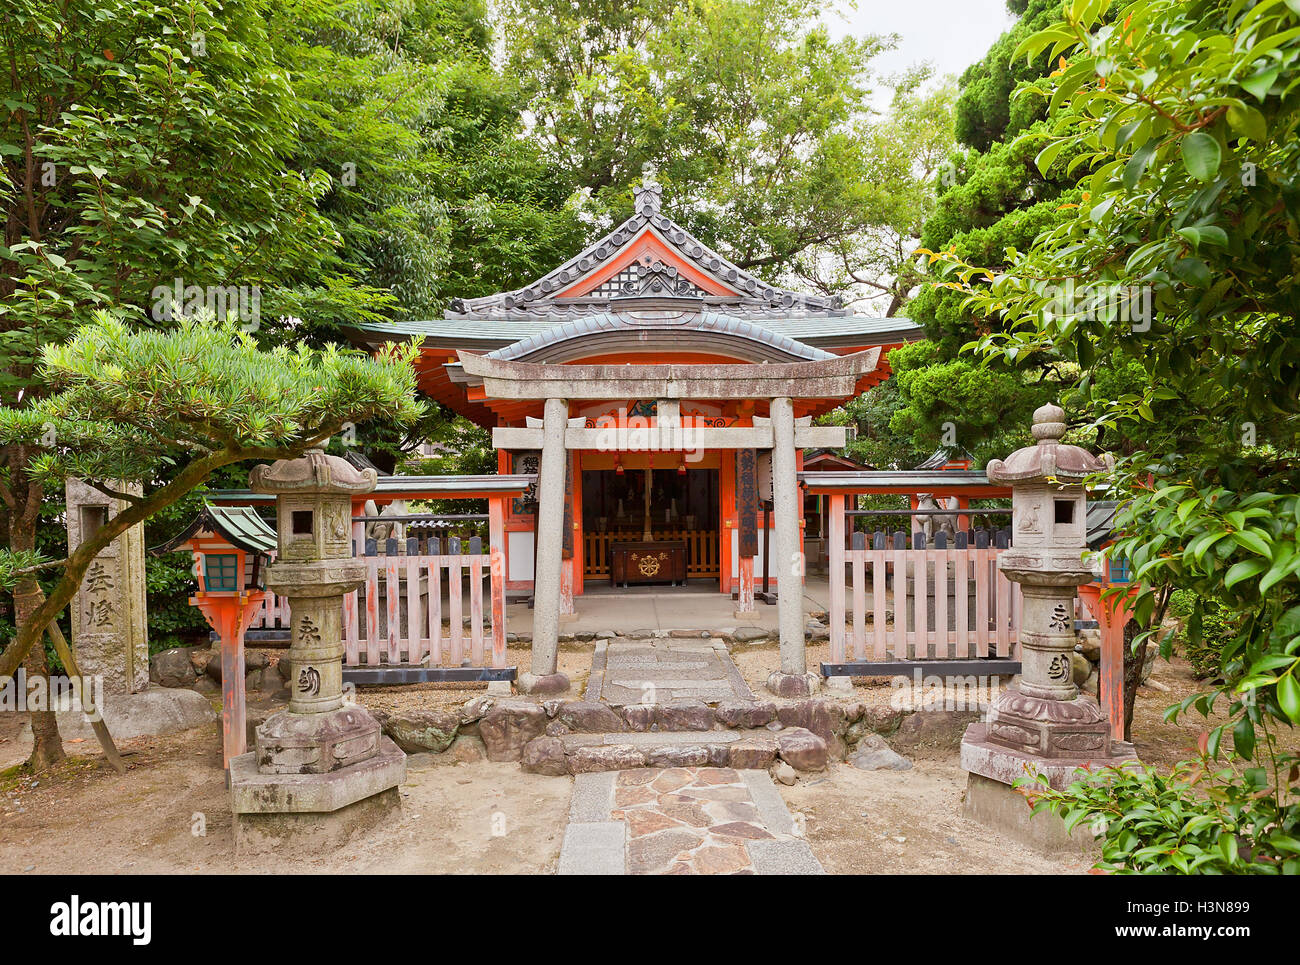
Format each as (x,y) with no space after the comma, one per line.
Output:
(756,122)
(1186,114)
(169,409)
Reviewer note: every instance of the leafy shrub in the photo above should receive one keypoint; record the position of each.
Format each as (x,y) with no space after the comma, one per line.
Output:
(1217,627)
(1193,820)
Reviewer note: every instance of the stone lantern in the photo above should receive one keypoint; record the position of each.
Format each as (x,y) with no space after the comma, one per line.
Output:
(1043,725)
(323,754)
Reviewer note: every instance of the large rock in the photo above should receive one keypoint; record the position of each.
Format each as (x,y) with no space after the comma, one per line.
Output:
(602,757)
(475,709)
(743,714)
(420,731)
(1079,668)
(935,728)
(685,715)
(875,755)
(508,726)
(883,720)
(749,634)
(824,718)
(172,668)
(802,749)
(756,753)
(640,717)
(544,755)
(150,713)
(679,755)
(590,717)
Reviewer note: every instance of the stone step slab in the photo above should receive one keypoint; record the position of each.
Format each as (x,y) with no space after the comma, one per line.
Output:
(741,749)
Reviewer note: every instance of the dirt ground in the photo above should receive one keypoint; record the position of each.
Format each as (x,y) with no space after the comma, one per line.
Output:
(86,818)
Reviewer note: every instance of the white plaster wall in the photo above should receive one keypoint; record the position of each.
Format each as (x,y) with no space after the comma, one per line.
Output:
(520,553)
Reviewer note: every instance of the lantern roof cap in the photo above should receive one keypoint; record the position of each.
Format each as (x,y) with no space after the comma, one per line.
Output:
(315,473)
(238,525)
(1049,459)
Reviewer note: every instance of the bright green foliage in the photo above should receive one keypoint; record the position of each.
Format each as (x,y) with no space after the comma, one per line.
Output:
(754,120)
(170,408)
(125,403)
(1211,235)
(434,189)
(991,197)
(1214,630)
(1194,820)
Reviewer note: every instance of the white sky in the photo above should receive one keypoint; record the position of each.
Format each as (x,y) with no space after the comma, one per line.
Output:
(951,34)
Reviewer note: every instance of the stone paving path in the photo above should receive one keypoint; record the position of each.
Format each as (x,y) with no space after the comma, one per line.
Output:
(662,670)
(681,821)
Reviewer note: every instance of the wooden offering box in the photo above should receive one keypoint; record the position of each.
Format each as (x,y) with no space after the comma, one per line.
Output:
(658,561)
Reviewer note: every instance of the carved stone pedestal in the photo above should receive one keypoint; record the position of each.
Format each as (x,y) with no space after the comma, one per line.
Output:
(991,799)
(318,811)
(316,743)
(1053,729)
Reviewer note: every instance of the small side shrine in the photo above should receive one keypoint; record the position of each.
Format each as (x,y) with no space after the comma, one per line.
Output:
(232,547)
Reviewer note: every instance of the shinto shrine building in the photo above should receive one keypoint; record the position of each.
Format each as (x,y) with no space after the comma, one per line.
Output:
(661,394)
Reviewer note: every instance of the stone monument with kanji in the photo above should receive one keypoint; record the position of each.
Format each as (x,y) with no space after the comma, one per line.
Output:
(110,631)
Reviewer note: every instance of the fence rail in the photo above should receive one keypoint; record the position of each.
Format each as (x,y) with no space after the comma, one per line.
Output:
(940,601)
(412,608)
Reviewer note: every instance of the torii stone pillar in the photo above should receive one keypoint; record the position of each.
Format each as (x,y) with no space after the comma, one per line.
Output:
(1043,726)
(545,677)
(793,679)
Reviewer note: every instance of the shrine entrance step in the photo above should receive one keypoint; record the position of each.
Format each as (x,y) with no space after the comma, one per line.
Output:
(663,670)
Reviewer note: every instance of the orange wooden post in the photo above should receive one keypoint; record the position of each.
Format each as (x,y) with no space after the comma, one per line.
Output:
(230,615)
(566,586)
(745,592)
(497,568)
(1112,616)
(836,538)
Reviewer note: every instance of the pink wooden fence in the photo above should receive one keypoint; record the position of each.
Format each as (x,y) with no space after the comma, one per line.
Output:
(413,606)
(948,600)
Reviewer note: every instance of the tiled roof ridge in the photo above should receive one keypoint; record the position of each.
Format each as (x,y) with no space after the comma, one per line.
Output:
(752,292)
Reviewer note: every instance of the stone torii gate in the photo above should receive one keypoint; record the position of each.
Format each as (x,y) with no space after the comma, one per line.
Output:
(558,384)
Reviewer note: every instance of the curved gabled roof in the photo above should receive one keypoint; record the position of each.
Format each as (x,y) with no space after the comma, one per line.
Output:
(701,271)
(658,325)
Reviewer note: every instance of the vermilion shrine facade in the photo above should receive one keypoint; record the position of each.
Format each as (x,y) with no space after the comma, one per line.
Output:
(661,394)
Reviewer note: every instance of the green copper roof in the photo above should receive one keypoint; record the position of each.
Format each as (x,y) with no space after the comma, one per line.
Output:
(239,524)
(489,334)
